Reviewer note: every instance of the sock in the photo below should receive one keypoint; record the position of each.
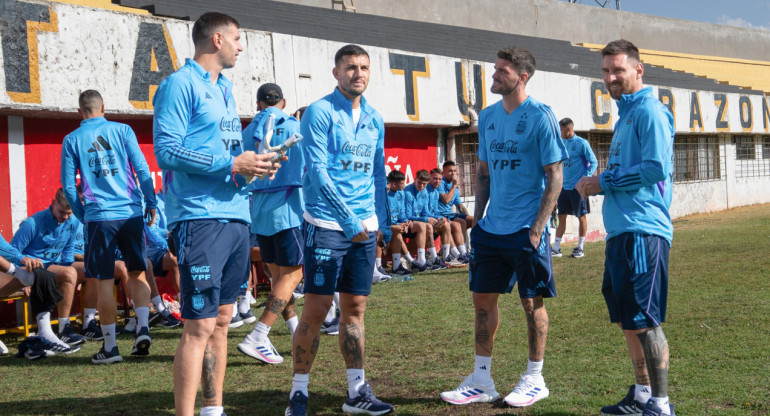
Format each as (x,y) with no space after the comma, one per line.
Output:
(378,261)
(336,302)
(259,333)
(109,337)
(299,383)
(89,314)
(396,260)
(63,324)
(235,309)
(455,252)
(432,251)
(243,304)
(535,368)
(355,380)
(421,256)
(445,250)
(158,303)
(482,370)
(212,411)
(330,314)
(142,317)
(44,329)
(662,402)
(292,323)
(409,257)
(462,249)
(581,240)
(557,243)
(642,393)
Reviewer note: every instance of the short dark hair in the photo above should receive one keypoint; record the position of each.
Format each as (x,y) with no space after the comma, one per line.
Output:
(347,50)
(436,170)
(522,59)
(90,101)
(621,46)
(396,176)
(423,175)
(448,163)
(300,112)
(61,199)
(206,25)
(566,122)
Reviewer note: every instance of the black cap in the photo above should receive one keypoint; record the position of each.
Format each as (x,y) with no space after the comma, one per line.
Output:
(269,91)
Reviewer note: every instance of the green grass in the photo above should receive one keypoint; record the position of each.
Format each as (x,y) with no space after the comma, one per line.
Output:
(420,342)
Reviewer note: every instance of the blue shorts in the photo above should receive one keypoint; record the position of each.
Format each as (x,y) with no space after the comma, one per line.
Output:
(253,241)
(156,259)
(104,238)
(571,203)
(283,248)
(635,284)
(498,262)
(333,263)
(213,261)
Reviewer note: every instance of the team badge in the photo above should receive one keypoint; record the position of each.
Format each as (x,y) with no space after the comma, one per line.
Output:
(521,127)
(198,302)
(319,279)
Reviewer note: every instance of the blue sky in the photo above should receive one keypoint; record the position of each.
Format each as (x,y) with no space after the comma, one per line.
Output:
(743,13)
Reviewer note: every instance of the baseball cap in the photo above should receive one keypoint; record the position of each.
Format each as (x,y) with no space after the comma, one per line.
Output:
(269,91)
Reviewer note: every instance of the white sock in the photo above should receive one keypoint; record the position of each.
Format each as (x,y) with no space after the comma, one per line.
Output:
(535,368)
(355,380)
(556,243)
(142,317)
(396,260)
(581,241)
(662,402)
(259,333)
(378,261)
(299,383)
(63,323)
(421,256)
(336,301)
(445,250)
(157,301)
(89,314)
(410,258)
(109,336)
(11,270)
(44,329)
(462,249)
(482,370)
(235,309)
(292,323)
(455,252)
(642,393)
(432,252)
(243,304)
(330,314)
(212,411)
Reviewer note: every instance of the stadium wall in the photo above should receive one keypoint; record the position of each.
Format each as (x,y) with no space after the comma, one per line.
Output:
(52,51)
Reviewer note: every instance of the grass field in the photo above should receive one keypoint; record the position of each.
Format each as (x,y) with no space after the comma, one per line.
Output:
(420,342)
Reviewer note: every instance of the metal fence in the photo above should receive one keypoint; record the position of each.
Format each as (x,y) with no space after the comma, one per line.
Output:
(752,155)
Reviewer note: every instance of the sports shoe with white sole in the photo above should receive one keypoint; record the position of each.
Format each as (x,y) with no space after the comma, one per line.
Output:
(236,321)
(142,342)
(104,357)
(297,405)
(366,403)
(92,332)
(468,392)
(3,349)
(262,351)
(577,252)
(331,328)
(555,253)
(652,409)
(628,406)
(526,392)
(248,317)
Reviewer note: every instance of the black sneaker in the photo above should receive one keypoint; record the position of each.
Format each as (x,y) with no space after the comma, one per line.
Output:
(142,342)
(577,252)
(170,321)
(438,264)
(297,405)
(419,268)
(107,357)
(71,337)
(628,406)
(331,328)
(653,410)
(154,319)
(366,403)
(92,332)
(400,271)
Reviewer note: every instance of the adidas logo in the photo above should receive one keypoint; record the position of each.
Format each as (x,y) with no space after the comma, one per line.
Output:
(640,317)
(539,285)
(491,126)
(208,96)
(483,367)
(99,145)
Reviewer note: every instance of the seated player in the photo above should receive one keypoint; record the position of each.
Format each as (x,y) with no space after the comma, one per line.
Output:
(400,226)
(449,197)
(456,240)
(417,210)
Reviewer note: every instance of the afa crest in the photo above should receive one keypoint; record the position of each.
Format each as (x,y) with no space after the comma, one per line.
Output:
(198,302)
(319,279)
(521,127)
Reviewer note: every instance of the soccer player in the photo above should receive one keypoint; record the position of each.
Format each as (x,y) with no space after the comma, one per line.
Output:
(197,137)
(581,162)
(519,174)
(417,209)
(637,188)
(106,155)
(450,196)
(401,227)
(452,249)
(49,235)
(276,219)
(344,187)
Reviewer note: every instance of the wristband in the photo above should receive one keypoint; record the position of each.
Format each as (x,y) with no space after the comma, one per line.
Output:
(11,269)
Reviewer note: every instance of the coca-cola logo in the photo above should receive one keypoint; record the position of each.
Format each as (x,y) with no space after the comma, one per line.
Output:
(508,146)
(101,160)
(361,149)
(230,124)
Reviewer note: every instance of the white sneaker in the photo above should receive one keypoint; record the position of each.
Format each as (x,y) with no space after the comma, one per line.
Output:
(467,392)
(527,391)
(3,349)
(406,263)
(262,351)
(251,299)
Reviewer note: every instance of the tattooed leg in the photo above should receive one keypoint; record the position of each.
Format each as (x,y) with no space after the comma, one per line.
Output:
(637,357)
(290,310)
(208,386)
(351,338)
(537,327)
(285,279)
(306,337)
(487,321)
(655,349)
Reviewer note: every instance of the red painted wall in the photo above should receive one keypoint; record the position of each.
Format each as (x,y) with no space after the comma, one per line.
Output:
(409,150)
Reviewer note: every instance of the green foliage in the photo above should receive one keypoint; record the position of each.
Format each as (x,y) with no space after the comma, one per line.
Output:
(420,342)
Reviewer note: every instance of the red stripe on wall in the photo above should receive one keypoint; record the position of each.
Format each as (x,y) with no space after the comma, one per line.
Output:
(6,222)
